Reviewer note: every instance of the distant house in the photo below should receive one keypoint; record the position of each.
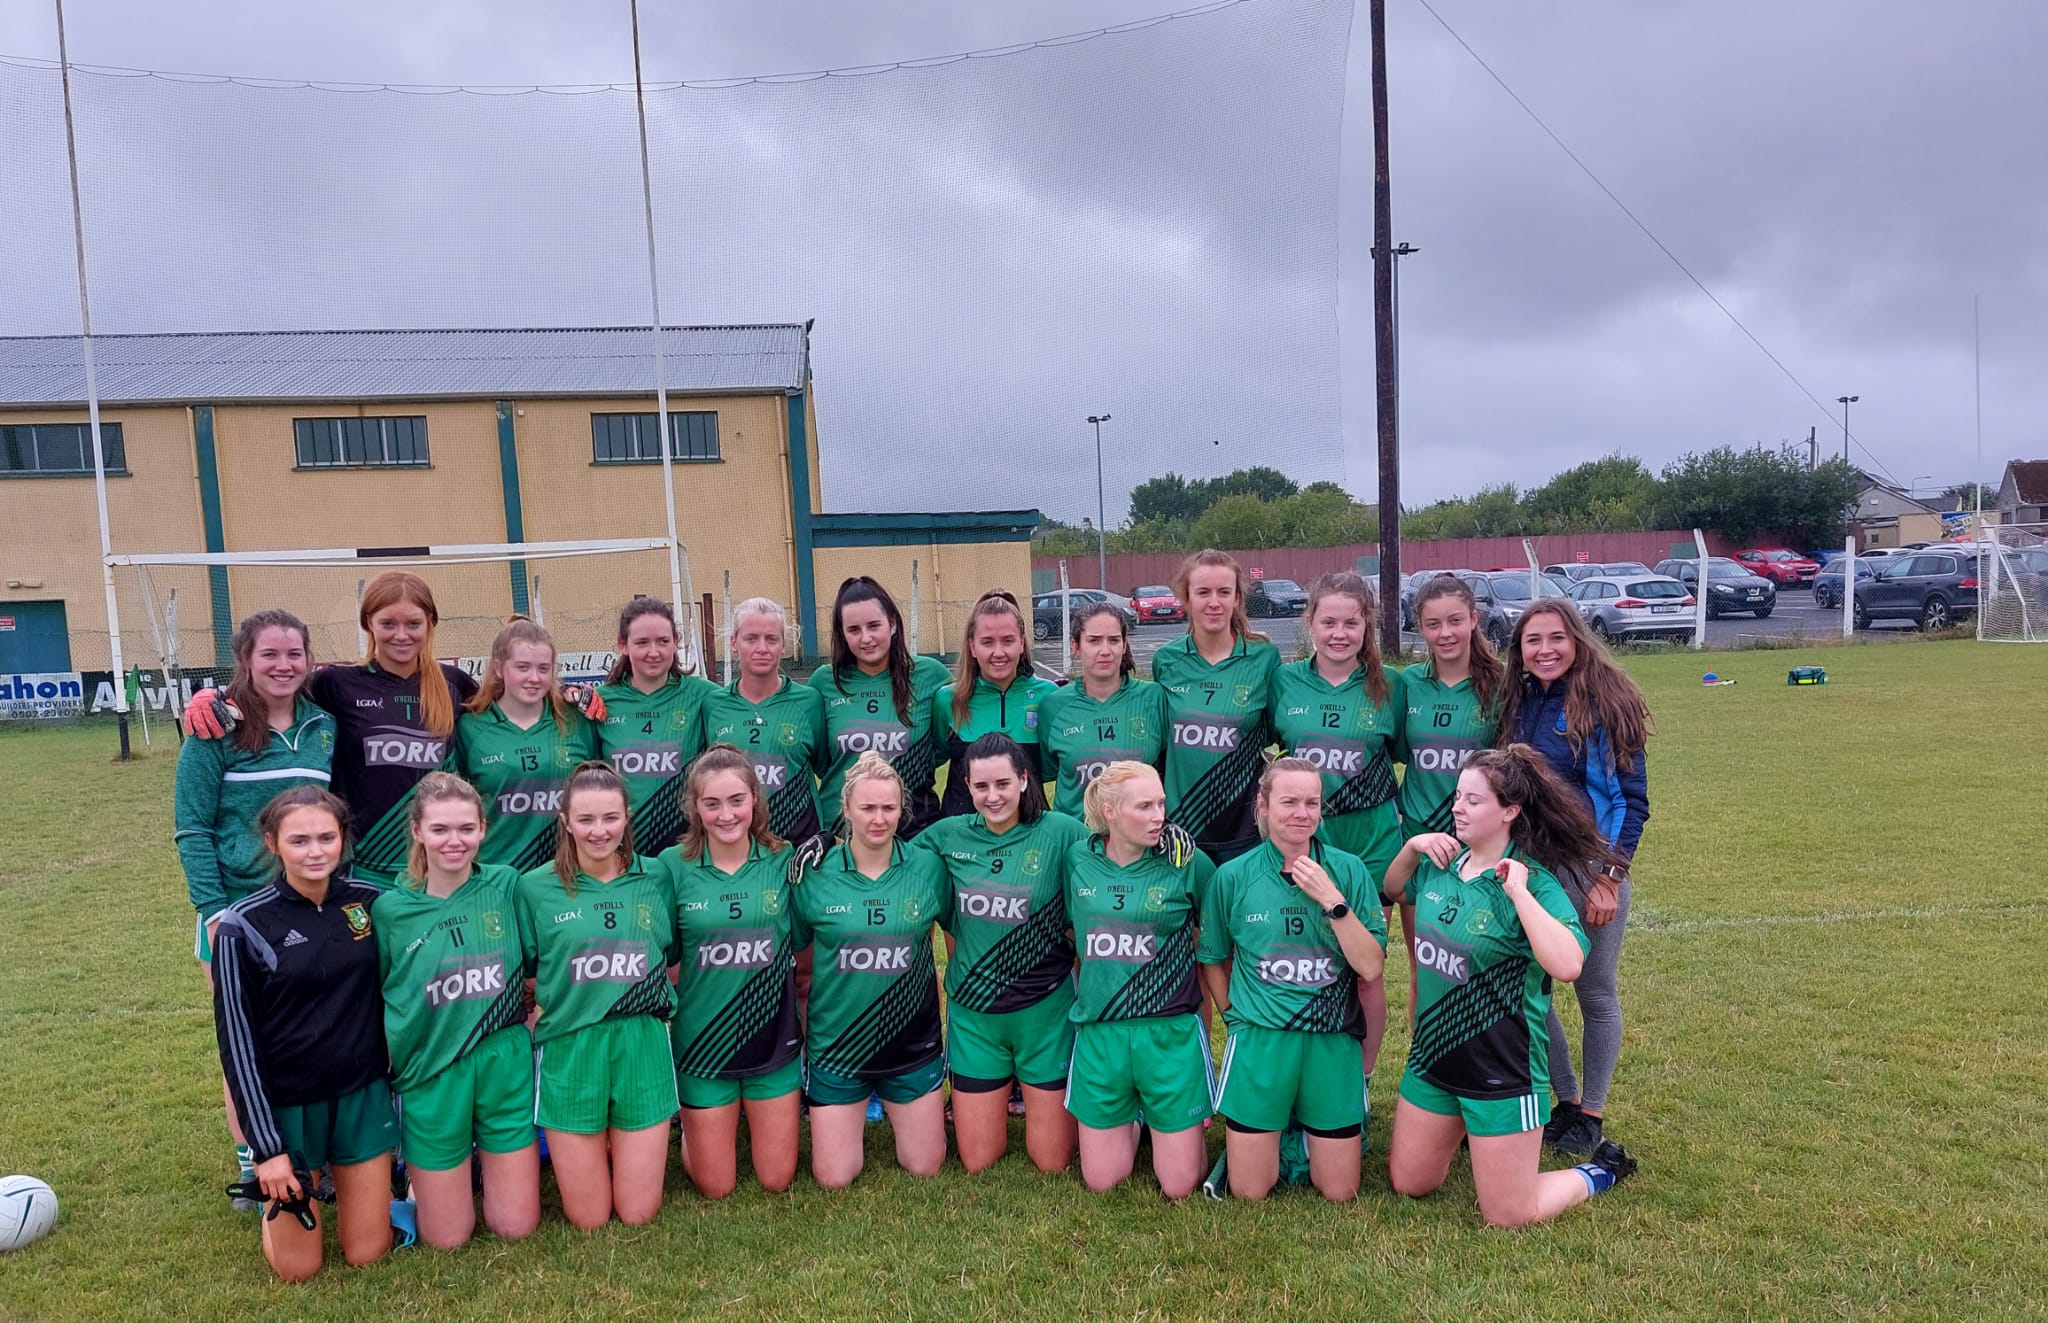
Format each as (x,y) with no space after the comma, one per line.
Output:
(2023,495)
(1885,516)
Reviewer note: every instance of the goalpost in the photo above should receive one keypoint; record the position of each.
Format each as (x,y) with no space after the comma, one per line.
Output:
(2012,584)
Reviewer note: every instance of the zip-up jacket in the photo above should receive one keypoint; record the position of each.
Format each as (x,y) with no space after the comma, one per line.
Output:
(298,1004)
(222,789)
(1619,796)
(1012,712)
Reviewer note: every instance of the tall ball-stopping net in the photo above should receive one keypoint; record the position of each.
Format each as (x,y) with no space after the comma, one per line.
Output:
(2012,585)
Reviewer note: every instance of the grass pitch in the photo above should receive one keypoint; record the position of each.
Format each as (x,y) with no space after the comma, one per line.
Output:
(1835,1075)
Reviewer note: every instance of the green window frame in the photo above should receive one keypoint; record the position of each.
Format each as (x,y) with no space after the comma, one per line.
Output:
(59,450)
(397,441)
(629,438)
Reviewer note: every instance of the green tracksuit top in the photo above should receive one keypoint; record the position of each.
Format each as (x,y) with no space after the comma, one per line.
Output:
(1013,711)
(1078,736)
(453,967)
(220,791)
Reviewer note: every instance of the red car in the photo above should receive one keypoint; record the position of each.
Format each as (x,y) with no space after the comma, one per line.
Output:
(1783,568)
(1156,605)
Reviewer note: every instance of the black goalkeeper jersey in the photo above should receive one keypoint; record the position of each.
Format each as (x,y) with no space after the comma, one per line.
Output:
(381,750)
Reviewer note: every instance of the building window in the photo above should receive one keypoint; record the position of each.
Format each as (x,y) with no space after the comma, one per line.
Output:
(628,438)
(361,443)
(58,448)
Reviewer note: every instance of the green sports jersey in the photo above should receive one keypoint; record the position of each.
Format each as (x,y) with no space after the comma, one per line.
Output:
(874,1008)
(1287,970)
(1012,948)
(860,714)
(1135,929)
(736,988)
(520,774)
(221,790)
(783,735)
(1481,999)
(1218,730)
(650,739)
(600,953)
(1013,711)
(1351,738)
(453,967)
(1442,726)
(1078,736)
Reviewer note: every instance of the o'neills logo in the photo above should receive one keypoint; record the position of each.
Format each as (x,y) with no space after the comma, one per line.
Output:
(649,760)
(889,741)
(738,949)
(608,964)
(1452,962)
(398,746)
(1126,944)
(465,983)
(876,955)
(527,798)
(1205,733)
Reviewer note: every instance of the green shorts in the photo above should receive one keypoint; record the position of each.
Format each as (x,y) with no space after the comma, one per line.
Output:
(987,1049)
(824,1088)
(353,1128)
(484,1100)
(1483,1116)
(612,1075)
(1270,1075)
(1156,1068)
(697,1092)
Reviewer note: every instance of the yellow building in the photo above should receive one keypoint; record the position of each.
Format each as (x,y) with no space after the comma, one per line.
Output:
(404,439)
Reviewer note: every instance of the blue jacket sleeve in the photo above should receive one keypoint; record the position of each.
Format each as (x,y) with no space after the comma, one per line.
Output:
(1635,794)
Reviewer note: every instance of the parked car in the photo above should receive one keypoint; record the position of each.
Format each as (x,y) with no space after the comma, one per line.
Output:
(1510,593)
(1045,611)
(1155,604)
(1729,586)
(1784,567)
(1934,589)
(1276,597)
(1620,569)
(1573,571)
(1827,585)
(1635,606)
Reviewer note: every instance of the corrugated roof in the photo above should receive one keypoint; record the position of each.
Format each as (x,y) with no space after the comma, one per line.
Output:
(205,368)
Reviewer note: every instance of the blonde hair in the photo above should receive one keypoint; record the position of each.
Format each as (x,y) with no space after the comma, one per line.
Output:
(518,630)
(723,758)
(758,606)
(1274,771)
(870,766)
(433,788)
(1106,792)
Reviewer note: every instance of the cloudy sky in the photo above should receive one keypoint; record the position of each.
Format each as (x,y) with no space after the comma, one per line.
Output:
(1167,225)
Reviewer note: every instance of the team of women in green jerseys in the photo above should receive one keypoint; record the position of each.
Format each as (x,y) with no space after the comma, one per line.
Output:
(667,898)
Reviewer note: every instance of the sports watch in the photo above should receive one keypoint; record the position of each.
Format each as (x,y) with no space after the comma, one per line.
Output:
(1337,911)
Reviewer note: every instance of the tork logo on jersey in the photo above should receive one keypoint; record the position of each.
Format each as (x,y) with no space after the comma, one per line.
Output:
(1122,943)
(1441,758)
(1301,969)
(528,798)
(741,949)
(608,964)
(649,760)
(889,741)
(466,983)
(1199,734)
(1453,963)
(876,955)
(399,747)
(1337,757)
(995,906)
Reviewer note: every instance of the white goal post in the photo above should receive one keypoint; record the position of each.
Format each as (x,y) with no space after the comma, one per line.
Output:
(2012,584)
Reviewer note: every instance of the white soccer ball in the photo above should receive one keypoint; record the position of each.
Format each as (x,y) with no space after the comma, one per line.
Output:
(28,1209)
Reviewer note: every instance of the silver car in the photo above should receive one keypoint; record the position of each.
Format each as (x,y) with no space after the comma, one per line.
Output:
(1635,606)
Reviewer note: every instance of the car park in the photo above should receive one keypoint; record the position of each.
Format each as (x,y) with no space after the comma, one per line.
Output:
(1276,597)
(1509,591)
(1730,588)
(1155,604)
(1827,585)
(1782,566)
(1635,606)
(1045,610)
(1933,589)
(1573,571)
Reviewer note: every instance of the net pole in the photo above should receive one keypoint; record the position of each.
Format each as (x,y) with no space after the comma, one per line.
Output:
(1066,620)
(92,399)
(668,483)
(1849,585)
(1699,603)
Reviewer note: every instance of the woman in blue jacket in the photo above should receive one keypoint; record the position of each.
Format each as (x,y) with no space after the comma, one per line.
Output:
(1567,698)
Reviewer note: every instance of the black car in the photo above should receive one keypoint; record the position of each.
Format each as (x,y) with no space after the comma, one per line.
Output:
(1045,611)
(1276,597)
(1934,589)
(1730,587)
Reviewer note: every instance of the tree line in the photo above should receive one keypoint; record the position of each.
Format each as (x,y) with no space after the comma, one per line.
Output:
(1739,494)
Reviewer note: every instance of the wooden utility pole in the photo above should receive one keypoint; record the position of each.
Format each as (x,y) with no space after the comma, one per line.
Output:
(1388,392)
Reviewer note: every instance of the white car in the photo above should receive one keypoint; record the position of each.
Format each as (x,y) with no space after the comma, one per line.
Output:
(1635,606)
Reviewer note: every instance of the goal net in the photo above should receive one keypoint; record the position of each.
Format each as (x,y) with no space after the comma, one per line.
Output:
(2012,585)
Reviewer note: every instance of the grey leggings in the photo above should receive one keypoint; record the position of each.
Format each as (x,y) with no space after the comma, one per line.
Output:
(1599,1007)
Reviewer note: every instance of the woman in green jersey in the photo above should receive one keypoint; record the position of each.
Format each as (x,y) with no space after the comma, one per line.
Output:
(454,975)
(1140,1050)
(1340,709)
(1289,932)
(735,1035)
(1219,684)
(1010,971)
(650,718)
(878,698)
(1494,929)
(597,927)
(1451,700)
(867,911)
(223,785)
(778,724)
(1108,716)
(994,691)
(517,741)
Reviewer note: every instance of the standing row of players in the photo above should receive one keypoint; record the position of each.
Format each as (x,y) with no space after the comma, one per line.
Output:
(1222,695)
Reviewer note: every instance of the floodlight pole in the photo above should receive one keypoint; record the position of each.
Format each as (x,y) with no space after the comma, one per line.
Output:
(92,402)
(668,484)
(1845,401)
